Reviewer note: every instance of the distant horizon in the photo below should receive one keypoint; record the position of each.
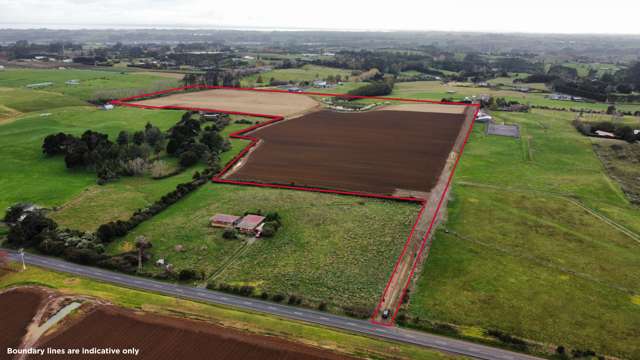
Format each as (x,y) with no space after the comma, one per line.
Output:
(117,27)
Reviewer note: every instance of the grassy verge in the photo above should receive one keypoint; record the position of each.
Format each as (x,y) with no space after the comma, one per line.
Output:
(251,322)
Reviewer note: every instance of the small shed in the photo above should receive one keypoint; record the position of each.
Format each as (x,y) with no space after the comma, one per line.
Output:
(224,220)
(250,224)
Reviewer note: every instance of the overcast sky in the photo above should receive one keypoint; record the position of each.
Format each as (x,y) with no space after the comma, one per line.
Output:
(538,16)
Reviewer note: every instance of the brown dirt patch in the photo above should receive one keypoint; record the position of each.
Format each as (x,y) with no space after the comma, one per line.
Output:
(427,107)
(377,151)
(255,102)
(17,309)
(160,337)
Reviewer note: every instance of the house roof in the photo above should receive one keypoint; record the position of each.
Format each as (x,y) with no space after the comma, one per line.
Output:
(250,222)
(224,218)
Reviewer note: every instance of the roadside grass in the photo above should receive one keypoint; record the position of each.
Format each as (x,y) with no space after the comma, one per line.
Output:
(437,90)
(330,248)
(92,82)
(260,324)
(524,239)
(304,73)
(28,175)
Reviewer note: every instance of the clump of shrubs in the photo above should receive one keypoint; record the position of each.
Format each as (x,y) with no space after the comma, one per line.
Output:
(230,234)
(189,274)
(244,290)
(508,339)
(357,311)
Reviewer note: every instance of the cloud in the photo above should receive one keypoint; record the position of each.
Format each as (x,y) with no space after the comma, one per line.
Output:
(614,16)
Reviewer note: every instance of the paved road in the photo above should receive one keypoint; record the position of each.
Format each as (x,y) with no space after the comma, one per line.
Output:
(290,312)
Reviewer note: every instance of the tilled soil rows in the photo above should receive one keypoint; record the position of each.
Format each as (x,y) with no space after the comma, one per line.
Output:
(17,309)
(159,337)
(380,152)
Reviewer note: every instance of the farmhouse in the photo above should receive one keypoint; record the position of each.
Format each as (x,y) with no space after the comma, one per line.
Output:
(224,220)
(250,224)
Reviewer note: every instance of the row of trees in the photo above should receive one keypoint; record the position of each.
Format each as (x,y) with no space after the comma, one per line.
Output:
(610,86)
(29,227)
(623,132)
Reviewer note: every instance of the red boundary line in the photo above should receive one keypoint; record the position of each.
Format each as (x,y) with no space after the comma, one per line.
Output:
(275,118)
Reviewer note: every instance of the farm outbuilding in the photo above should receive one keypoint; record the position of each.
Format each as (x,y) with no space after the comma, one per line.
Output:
(250,224)
(224,220)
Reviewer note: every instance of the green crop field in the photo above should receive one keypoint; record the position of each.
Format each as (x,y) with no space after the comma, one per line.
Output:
(536,230)
(330,248)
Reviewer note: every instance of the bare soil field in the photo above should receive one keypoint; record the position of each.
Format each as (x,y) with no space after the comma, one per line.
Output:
(382,152)
(160,337)
(255,102)
(17,308)
(428,107)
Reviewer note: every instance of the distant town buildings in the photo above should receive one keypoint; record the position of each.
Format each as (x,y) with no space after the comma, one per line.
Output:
(563,97)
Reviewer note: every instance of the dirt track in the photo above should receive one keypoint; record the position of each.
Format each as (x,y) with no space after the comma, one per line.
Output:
(382,152)
(255,102)
(17,309)
(160,337)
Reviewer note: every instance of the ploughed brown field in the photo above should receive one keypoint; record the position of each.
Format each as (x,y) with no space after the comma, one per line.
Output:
(160,337)
(255,102)
(382,152)
(17,308)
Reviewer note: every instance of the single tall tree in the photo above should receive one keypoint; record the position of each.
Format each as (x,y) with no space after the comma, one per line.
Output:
(142,244)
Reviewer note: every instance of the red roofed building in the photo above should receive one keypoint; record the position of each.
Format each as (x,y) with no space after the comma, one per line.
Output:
(224,220)
(250,223)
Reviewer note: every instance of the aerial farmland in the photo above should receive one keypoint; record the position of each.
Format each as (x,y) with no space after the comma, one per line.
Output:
(244,194)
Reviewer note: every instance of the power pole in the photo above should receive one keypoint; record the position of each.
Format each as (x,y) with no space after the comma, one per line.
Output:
(21,252)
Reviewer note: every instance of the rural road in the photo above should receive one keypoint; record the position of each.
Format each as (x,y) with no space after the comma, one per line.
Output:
(295,313)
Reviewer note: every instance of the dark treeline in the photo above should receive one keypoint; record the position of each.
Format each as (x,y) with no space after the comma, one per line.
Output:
(603,47)
(190,140)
